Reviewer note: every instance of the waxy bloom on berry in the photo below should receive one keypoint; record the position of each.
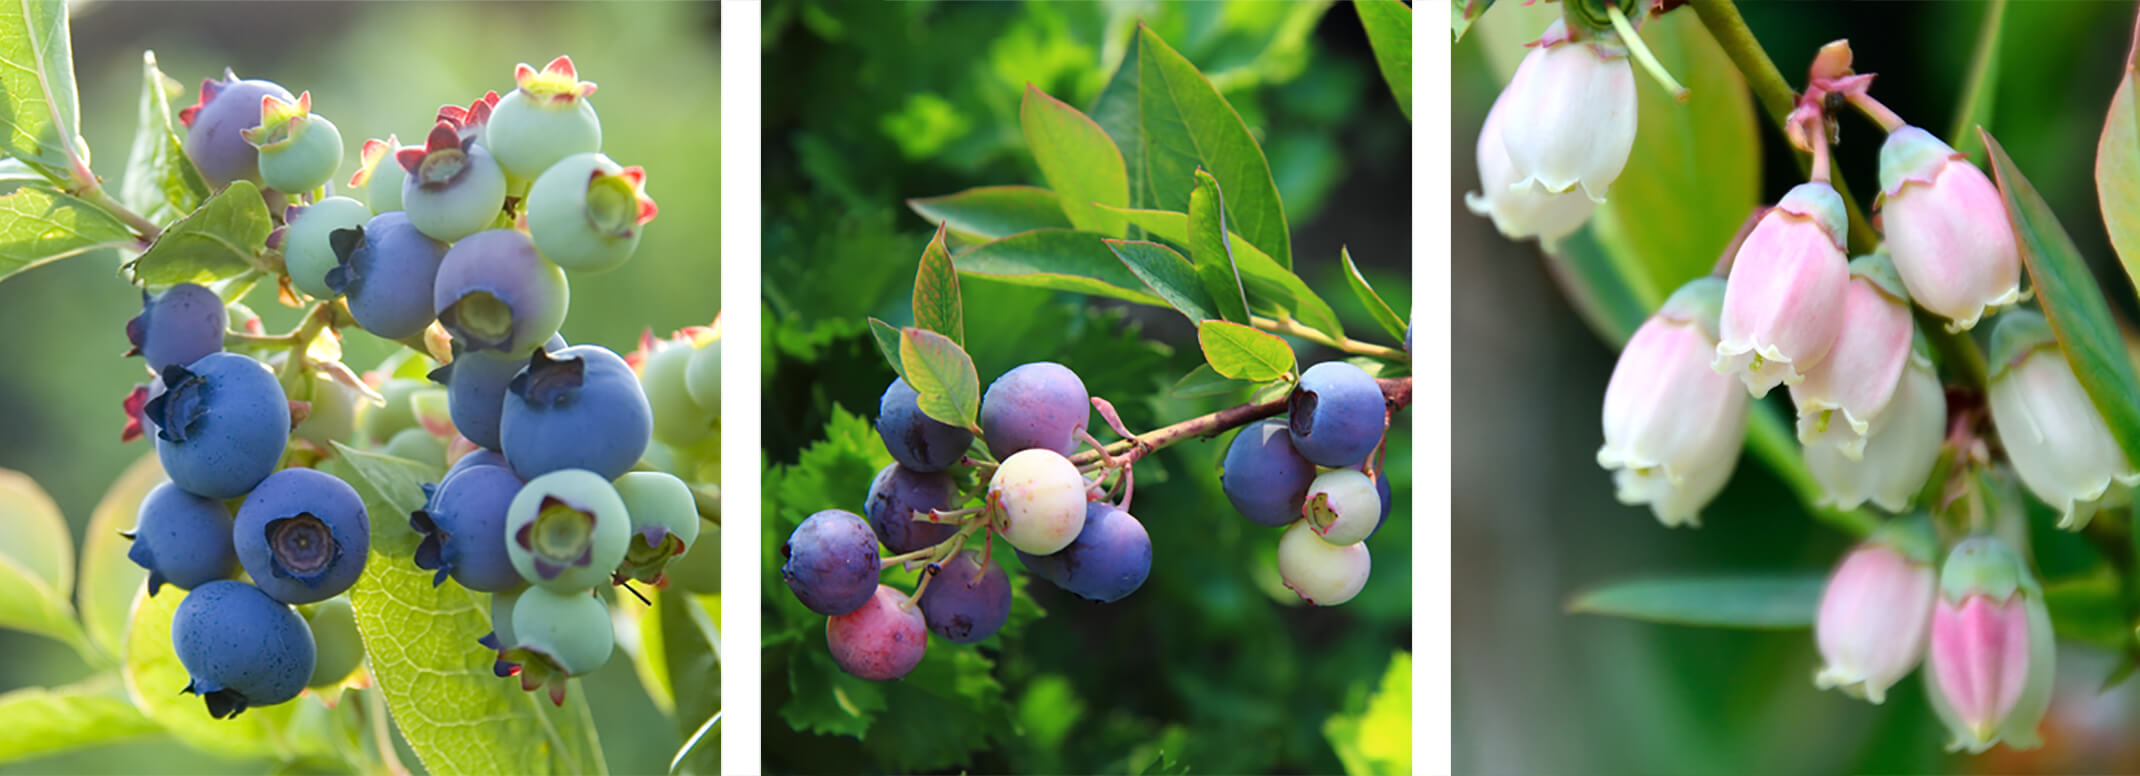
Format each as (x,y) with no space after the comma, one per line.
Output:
(1947,228)
(1992,658)
(1876,609)
(1844,393)
(1571,113)
(2052,431)
(1520,212)
(1673,426)
(1783,305)
(1900,452)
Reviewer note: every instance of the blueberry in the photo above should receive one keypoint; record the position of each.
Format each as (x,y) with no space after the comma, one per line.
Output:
(494,293)
(702,377)
(832,564)
(379,174)
(1337,414)
(665,522)
(1342,506)
(463,525)
(182,539)
(213,124)
(333,409)
(478,457)
(917,441)
(1039,405)
(1323,574)
(501,639)
(1108,561)
(678,420)
(578,409)
(1382,491)
(386,268)
(475,389)
(559,634)
(338,648)
(178,326)
(1265,478)
(383,422)
(307,253)
(566,530)
(417,445)
(546,119)
(299,151)
(303,536)
(240,647)
(1043,499)
(586,213)
(967,601)
(221,424)
(896,494)
(454,188)
(880,640)
(136,405)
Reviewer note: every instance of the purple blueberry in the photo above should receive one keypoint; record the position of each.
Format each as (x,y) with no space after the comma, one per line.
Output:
(917,441)
(1042,404)
(475,389)
(1264,477)
(1337,414)
(1107,561)
(880,640)
(386,271)
(495,293)
(178,326)
(221,424)
(463,525)
(579,408)
(896,494)
(831,562)
(240,647)
(967,601)
(182,539)
(302,536)
(1382,489)
(226,108)
(477,457)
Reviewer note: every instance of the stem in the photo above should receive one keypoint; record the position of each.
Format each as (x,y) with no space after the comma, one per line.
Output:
(1873,109)
(707,498)
(1641,52)
(147,230)
(1981,76)
(1353,346)
(375,705)
(1820,152)
(1396,391)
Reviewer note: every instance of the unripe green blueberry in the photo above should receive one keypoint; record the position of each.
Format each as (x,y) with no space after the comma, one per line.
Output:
(665,522)
(306,253)
(586,212)
(299,151)
(569,629)
(545,119)
(1323,574)
(339,649)
(702,377)
(1043,500)
(567,530)
(454,188)
(382,422)
(678,420)
(379,175)
(1342,506)
(417,445)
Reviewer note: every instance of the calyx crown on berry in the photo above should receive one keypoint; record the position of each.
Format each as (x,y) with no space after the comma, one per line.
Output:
(209,89)
(618,202)
(374,150)
(472,117)
(557,83)
(441,158)
(280,122)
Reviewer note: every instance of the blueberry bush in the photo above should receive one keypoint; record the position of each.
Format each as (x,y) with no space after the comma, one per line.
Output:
(1058,501)
(408,567)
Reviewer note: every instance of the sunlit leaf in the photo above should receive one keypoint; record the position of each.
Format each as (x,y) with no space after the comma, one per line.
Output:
(1244,353)
(1167,275)
(39,224)
(1209,252)
(38,108)
(1078,160)
(987,213)
(36,563)
(220,240)
(1389,33)
(161,183)
(936,292)
(38,722)
(945,384)
(1056,259)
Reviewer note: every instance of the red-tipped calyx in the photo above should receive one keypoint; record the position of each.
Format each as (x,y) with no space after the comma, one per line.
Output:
(557,82)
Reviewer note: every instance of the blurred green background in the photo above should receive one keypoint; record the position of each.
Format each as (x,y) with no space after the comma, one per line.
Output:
(1212,661)
(374,68)
(1542,691)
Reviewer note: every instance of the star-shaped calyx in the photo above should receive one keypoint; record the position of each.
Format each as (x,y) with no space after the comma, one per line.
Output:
(441,160)
(369,156)
(557,84)
(209,89)
(281,123)
(617,203)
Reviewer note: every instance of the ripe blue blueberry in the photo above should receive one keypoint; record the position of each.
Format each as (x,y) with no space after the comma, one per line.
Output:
(917,441)
(221,424)
(832,562)
(495,293)
(1038,405)
(182,539)
(307,254)
(463,525)
(880,640)
(302,536)
(566,530)
(896,494)
(240,647)
(337,646)
(213,124)
(475,389)
(586,213)
(178,326)
(967,601)
(1337,414)
(1264,477)
(1107,561)
(665,522)
(454,188)
(546,119)
(475,458)
(580,408)
(1382,491)
(386,268)
(299,151)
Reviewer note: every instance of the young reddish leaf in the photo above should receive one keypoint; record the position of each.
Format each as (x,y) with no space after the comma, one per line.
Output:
(936,292)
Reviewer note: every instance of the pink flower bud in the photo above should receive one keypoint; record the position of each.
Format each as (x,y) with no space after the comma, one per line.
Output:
(1876,609)
(1673,427)
(1845,392)
(1520,212)
(1947,228)
(1900,453)
(2052,431)
(1571,114)
(1783,305)
(1992,658)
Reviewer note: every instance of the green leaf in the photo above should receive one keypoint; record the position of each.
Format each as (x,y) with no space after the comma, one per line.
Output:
(37,722)
(1718,602)
(1378,309)
(1077,159)
(936,292)
(39,224)
(36,564)
(154,681)
(943,377)
(160,183)
(1204,381)
(1058,259)
(1209,251)
(1981,90)
(108,580)
(2069,297)
(38,108)
(1377,739)
(222,239)
(1244,353)
(1119,111)
(2089,609)
(887,337)
(1272,290)
(421,641)
(1389,33)
(1168,275)
(993,212)
(1461,15)
(2117,169)
(1185,124)
(677,635)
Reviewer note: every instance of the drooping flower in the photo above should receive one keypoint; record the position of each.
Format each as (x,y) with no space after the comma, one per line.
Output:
(2052,431)
(1947,228)
(1673,426)
(1571,113)
(1520,212)
(1877,608)
(1844,393)
(1784,301)
(1992,657)
(1899,453)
